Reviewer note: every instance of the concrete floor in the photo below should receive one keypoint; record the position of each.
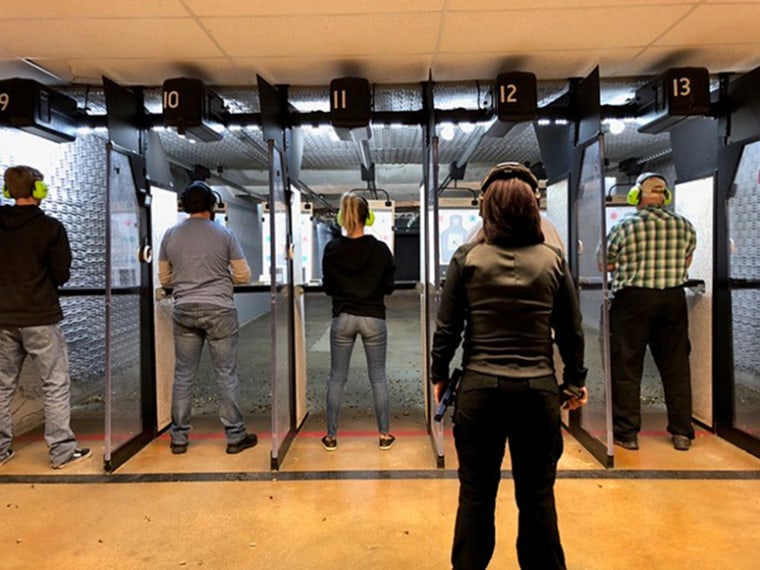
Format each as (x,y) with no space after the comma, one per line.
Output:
(359,507)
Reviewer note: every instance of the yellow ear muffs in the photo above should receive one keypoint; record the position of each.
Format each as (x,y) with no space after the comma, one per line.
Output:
(634,195)
(39,192)
(368,222)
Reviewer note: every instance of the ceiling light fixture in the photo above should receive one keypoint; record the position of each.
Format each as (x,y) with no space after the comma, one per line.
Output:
(447,131)
(615,126)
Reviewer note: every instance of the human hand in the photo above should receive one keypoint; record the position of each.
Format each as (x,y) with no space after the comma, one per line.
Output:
(576,402)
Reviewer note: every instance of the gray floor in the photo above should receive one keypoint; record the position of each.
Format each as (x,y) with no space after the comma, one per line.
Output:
(404,362)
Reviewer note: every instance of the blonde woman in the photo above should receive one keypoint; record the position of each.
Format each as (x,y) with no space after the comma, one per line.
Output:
(357,272)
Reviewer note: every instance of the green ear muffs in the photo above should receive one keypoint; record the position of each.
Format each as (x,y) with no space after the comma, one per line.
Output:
(39,192)
(634,194)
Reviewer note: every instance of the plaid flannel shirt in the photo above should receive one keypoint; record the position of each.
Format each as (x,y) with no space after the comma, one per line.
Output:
(649,249)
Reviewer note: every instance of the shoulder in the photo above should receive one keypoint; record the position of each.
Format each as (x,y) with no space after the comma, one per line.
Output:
(333,244)
(555,251)
(465,250)
(51,223)
(623,224)
(380,244)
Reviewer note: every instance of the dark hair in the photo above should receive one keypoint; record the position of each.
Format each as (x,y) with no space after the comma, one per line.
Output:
(198,197)
(19,180)
(510,214)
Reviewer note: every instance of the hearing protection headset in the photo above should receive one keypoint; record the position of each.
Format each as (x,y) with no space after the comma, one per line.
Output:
(199,197)
(39,188)
(634,194)
(370,216)
(508,171)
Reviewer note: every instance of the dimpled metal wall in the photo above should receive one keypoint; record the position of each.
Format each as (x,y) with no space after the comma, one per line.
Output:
(744,230)
(75,174)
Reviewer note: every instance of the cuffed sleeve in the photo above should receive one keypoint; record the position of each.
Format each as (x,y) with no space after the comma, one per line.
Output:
(568,330)
(241,273)
(165,273)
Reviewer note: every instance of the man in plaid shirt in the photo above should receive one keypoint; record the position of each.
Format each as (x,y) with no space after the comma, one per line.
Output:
(649,254)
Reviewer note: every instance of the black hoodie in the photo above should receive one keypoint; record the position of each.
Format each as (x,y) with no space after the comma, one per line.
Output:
(35,261)
(357,273)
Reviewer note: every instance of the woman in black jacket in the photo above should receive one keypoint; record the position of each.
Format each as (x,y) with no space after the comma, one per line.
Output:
(507,293)
(357,272)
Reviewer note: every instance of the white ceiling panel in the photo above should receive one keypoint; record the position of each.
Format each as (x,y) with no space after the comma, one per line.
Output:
(538,5)
(153,72)
(320,70)
(716,24)
(546,65)
(117,39)
(525,31)
(737,58)
(395,44)
(79,9)
(299,7)
(325,35)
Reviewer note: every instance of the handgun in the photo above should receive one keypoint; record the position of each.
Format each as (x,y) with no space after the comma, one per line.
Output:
(449,395)
(569,392)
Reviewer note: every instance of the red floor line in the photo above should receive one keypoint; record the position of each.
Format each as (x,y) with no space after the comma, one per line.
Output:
(311,434)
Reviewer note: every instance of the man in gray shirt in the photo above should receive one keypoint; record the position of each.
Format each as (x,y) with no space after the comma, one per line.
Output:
(201,260)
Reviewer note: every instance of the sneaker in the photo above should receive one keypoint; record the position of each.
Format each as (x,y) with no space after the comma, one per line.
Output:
(178,448)
(7,457)
(681,442)
(629,444)
(249,440)
(76,457)
(387,441)
(329,443)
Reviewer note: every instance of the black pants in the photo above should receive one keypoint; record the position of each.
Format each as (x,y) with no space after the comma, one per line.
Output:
(490,411)
(658,318)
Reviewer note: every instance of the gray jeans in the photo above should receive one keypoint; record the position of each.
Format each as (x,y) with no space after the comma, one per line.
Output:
(343,332)
(47,347)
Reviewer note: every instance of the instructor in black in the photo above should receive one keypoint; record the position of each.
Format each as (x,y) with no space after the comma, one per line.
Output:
(507,293)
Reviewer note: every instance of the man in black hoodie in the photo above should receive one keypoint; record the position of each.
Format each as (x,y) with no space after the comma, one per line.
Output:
(36,261)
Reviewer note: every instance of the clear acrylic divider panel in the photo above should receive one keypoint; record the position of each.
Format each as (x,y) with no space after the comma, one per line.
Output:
(591,233)
(124,398)
(281,384)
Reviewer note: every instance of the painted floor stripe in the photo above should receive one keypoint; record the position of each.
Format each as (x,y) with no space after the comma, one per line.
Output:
(222,477)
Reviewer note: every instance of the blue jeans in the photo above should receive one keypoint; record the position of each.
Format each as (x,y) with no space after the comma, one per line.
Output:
(47,347)
(343,331)
(195,324)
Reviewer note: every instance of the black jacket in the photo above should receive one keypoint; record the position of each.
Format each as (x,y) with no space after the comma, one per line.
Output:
(357,273)
(35,261)
(507,300)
